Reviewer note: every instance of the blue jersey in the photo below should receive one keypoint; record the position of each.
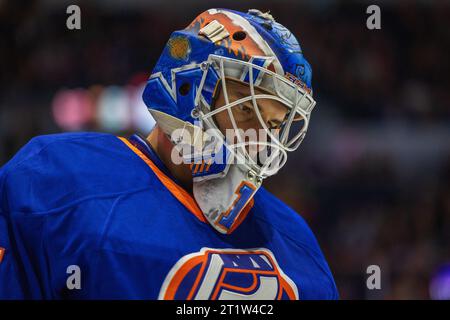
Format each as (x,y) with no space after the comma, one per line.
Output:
(95,216)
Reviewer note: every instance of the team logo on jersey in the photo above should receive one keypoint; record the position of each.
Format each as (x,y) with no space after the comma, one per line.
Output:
(228,274)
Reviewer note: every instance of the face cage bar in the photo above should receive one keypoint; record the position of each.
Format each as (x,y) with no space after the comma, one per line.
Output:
(280,145)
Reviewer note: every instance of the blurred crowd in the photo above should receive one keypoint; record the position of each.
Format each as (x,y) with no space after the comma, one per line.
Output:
(372,177)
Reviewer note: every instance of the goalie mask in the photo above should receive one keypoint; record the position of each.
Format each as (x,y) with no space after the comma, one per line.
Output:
(222,52)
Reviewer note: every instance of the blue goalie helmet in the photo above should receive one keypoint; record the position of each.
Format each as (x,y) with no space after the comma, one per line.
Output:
(225,44)
(219,48)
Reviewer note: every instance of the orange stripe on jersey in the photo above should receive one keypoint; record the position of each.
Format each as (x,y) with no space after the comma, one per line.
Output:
(196,167)
(2,253)
(182,195)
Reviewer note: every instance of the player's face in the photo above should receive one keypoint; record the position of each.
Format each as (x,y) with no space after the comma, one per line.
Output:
(273,112)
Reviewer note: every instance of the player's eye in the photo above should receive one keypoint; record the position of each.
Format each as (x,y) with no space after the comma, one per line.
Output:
(246,108)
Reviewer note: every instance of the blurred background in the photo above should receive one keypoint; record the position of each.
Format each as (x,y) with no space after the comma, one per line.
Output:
(372,176)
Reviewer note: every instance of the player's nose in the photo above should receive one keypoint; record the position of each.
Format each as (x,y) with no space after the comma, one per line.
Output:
(272,112)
